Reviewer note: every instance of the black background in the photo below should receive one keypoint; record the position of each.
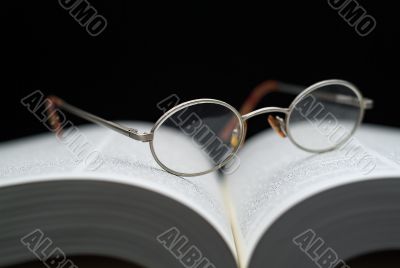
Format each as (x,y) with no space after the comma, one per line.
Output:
(194,49)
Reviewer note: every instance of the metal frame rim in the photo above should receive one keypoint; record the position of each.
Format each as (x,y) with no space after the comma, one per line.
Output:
(313,88)
(183,105)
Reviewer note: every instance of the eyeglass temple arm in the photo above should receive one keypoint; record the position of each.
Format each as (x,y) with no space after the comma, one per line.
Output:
(56,102)
(338,98)
(270,86)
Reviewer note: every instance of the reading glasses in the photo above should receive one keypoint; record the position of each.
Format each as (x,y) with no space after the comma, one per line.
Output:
(203,135)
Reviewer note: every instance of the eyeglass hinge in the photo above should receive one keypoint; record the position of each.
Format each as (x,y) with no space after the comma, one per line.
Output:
(368,103)
(144,137)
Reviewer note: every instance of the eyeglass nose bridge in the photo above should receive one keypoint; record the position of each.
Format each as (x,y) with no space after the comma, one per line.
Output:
(277,123)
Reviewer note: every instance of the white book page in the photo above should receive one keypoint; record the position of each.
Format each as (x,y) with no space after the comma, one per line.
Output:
(274,175)
(124,160)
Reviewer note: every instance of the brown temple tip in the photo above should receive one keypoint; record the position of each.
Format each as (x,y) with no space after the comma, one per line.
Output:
(53,117)
(276,125)
(55,100)
(250,104)
(257,94)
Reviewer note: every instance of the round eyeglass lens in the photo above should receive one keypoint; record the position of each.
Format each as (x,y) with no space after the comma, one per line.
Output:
(325,118)
(197,138)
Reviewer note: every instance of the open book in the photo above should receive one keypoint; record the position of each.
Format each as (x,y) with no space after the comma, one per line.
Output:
(283,207)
